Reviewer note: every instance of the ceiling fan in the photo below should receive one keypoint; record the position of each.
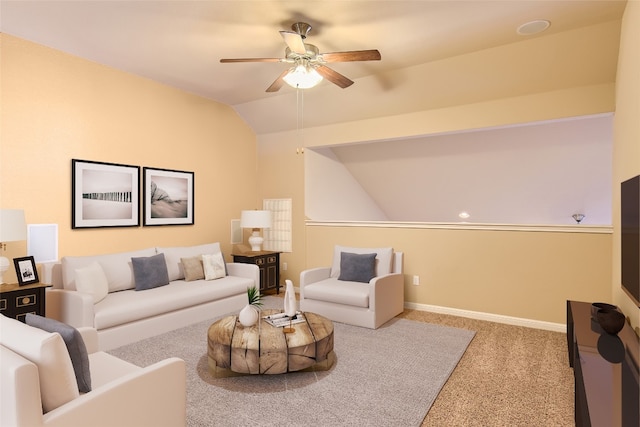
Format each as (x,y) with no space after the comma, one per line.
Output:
(309,64)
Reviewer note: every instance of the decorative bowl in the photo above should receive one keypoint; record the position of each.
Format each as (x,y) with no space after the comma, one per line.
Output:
(598,305)
(612,321)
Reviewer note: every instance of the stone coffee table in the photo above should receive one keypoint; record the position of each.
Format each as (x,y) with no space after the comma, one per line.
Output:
(266,349)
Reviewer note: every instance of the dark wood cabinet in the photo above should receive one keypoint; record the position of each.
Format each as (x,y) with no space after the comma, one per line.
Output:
(605,370)
(269,265)
(16,301)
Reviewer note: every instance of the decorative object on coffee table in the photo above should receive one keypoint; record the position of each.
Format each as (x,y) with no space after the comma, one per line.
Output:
(289,305)
(250,313)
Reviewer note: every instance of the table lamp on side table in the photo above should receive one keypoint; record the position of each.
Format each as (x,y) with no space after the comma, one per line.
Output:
(12,229)
(255,220)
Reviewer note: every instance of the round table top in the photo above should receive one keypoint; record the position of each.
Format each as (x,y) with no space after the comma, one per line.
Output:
(266,349)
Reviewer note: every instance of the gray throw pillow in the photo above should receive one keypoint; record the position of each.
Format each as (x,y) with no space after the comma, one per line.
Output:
(75,346)
(150,272)
(357,267)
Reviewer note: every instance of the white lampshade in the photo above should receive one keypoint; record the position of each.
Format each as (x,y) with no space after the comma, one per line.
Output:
(12,229)
(255,220)
(12,225)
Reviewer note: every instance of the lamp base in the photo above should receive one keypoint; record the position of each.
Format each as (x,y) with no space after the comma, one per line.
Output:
(256,241)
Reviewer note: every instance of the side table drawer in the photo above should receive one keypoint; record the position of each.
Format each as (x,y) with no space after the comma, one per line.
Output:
(27,300)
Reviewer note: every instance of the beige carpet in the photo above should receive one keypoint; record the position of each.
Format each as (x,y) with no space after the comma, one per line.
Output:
(509,376)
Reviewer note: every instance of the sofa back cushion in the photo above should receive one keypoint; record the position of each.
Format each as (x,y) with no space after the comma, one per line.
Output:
(384,258)
(49,353)
(117,267)
(173,255)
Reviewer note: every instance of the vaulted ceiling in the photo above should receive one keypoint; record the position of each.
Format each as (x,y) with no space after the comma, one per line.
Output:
(180,43)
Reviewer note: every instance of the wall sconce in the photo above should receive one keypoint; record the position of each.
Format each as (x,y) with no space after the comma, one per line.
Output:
(578,217)
(255,220)
(12,229)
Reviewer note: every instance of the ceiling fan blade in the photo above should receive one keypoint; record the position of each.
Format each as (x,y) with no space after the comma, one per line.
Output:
(277,84)
(294,41)
(354,55)
(333,76)
(250,60)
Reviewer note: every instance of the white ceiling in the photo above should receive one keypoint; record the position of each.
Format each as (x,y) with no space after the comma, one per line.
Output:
(180,43)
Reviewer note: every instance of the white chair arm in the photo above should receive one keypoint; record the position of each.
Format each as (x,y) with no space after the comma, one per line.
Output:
(90,338)
(249,271)
(153,396)
(71,307)
(20,404)
(387,295)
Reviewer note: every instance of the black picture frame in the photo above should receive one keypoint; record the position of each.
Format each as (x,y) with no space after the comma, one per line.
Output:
(104,194)
(168,197)
(26,270)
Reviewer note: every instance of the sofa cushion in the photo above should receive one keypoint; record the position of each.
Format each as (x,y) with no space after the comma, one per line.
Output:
(332,290)
(48,352)
(92,280)
(150,272)
(128,306)
(357,267)
(75,346)
(384,258)
(117,268)
(214,266)
(192,267)
(173,256)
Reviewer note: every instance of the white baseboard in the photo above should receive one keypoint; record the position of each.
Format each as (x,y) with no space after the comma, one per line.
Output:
(498,318)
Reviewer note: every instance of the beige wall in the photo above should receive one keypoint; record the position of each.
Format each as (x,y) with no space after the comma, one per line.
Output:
(626,142)
(56,107)
(526,275)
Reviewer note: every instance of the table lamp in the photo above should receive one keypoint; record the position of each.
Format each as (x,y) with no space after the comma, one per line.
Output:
(255,220)
(12,229)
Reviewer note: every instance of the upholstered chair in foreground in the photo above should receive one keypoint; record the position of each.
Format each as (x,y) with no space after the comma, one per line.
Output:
(50,381)
(364,287)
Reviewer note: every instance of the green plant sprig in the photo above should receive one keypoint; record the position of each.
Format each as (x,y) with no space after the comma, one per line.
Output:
(255,298)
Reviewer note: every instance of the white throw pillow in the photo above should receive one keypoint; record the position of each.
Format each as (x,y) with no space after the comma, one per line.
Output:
(92,280)
(214,267)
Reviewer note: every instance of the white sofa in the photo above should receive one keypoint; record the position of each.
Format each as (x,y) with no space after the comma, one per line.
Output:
(369,304)
(38,386)
(126,315)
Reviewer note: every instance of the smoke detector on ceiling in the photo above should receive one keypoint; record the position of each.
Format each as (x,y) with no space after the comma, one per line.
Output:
(533,27)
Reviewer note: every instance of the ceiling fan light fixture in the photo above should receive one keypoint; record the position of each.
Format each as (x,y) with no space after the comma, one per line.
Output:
(302,76)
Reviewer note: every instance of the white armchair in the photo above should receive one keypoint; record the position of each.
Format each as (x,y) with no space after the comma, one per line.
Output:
(369,304)
(38,384)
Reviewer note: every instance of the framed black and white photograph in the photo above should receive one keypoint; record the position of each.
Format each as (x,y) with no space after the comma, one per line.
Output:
(168,197)
(26,270)
(104,194)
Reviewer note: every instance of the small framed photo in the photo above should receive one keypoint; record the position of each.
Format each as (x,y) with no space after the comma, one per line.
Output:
(26,270)
(104,195)
(168,197)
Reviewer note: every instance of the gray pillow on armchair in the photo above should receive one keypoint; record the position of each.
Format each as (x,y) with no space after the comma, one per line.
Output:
(357,267)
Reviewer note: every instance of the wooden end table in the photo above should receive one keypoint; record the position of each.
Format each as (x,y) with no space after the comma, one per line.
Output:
(266,349)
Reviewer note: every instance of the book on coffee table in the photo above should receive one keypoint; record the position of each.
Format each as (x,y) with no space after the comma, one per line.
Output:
(280,320)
